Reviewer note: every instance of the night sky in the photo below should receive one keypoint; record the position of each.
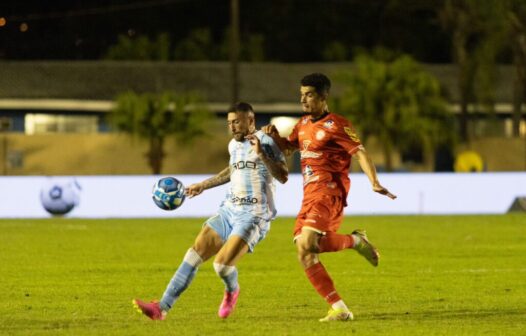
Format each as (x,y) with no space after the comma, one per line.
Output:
(294,30)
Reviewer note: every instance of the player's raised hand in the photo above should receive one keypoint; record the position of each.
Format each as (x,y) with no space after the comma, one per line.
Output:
(383,191)
(270,130)
(254,141)
(193,190)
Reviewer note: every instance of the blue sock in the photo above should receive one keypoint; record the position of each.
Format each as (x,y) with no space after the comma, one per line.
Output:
(181,279)
(229,276)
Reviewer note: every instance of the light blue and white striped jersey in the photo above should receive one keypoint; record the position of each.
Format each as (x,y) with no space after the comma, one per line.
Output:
(251,184)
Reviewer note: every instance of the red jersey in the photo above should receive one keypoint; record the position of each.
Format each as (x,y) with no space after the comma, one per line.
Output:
(326,146)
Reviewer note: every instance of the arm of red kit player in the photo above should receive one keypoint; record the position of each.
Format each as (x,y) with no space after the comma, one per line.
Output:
(284,145)
(369,169)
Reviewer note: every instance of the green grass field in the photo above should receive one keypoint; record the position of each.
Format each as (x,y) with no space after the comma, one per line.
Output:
(438,275)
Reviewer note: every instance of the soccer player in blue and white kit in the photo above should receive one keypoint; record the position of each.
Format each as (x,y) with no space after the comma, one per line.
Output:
(243,218)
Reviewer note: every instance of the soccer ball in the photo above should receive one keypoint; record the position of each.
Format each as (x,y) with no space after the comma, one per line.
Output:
(58,197)
(168,193)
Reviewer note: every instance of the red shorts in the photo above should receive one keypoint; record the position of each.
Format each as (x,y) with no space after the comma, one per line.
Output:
(323,213)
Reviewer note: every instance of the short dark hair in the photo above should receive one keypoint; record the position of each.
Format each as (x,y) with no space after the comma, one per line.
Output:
(241,107)
(320,82)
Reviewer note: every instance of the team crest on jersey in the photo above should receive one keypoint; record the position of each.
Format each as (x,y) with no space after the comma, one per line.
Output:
(328,124)
(351,134)
(320,134)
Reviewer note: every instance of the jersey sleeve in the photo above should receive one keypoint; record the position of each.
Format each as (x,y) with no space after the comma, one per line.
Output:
(345,136)
(271,149)
(292,139)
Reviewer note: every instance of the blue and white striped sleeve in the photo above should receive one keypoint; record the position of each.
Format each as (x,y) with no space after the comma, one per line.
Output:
(271,149)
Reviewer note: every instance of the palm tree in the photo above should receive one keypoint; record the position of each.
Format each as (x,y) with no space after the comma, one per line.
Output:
(153,117)
(477,33)
(397,102)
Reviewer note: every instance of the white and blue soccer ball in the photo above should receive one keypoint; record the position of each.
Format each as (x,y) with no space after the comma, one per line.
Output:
(168,193)
(60,196)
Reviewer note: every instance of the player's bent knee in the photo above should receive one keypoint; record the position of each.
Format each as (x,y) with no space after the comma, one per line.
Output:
(223,270)
(305,245)
(193,258)
(207,243)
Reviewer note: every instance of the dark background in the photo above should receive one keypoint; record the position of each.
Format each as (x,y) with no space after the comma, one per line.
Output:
(293,30)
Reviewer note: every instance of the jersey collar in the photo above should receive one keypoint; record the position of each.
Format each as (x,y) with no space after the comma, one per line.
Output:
(323,115)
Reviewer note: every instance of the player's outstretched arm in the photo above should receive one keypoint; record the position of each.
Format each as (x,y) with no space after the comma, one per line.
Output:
(217,180)
(369,169)
(278,169)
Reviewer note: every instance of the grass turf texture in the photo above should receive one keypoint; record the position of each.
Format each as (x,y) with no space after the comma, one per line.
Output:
(438,275)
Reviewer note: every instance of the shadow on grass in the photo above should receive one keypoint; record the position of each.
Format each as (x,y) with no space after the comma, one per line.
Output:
(444,314)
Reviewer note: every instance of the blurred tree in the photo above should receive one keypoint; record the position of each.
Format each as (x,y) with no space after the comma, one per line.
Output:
(252,47)
(517,25)
(154,117)
(398,103)
(335,51)
(140,48)
(197,46)
(477,31)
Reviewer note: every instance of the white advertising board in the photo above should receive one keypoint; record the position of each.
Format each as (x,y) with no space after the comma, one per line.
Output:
(130,196)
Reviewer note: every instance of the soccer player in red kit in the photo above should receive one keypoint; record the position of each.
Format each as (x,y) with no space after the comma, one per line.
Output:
(326,142)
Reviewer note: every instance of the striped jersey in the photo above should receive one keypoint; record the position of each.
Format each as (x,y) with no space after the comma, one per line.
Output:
(251,184)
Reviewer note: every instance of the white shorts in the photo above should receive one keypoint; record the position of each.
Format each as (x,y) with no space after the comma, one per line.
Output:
(251,229)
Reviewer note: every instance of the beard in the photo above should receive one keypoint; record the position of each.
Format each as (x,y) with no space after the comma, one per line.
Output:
(240,137)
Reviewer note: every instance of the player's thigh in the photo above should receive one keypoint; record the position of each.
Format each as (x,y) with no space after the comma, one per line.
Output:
(234,248)
(251,229)
(207,243)
(247,231)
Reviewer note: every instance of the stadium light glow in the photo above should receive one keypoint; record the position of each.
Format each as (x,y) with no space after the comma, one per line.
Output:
(284,124)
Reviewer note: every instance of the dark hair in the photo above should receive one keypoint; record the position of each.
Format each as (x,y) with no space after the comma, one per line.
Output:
(319,81)
(241,107)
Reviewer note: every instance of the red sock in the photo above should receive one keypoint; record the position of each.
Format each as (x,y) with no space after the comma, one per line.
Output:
(332,242)
(322,282)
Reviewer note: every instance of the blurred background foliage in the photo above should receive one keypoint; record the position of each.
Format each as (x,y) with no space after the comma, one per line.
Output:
(153,117)
(382,45)
(394,99)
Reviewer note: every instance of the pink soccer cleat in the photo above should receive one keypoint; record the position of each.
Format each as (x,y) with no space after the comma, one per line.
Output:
(152,309)
(229,303)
